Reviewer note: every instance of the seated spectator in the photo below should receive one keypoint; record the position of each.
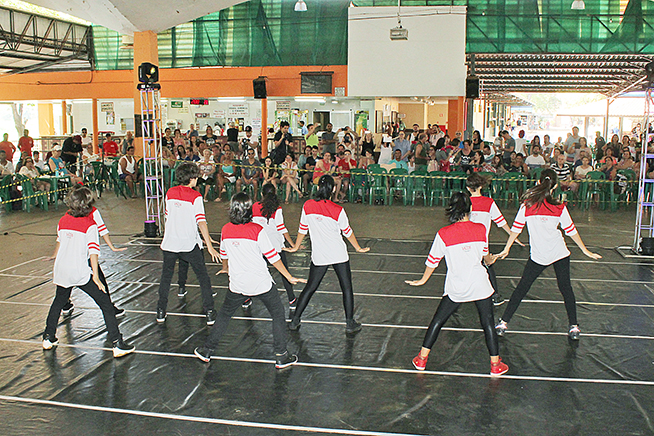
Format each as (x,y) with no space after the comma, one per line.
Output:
(397,160)
(87,157)
(488,153)
(432,162)
(58,167)
(564,173)
(340,152)
(191,155)
(38,162)
(168,157)
(476,162)
(180,152)
(582,170)
(498,165)
(127,170)
(303,157)
(345,165)
(608,168)
(608,155)
(386,150)
(463,157)
(626,163)
(6,166)
(367,159)
(127,142)
(581,155)
(326,166)
(250,173)
(29,170)
(535,159)
(226,173)
(109,146)
(308,168)
(178,139)
(207,172)
(269,173)
(411,165)
(290,176)
(420,150)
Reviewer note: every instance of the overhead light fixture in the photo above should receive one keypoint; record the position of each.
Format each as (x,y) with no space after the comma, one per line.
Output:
(232,99)
(578,5)
(335,101)
(300,6)
(310,99)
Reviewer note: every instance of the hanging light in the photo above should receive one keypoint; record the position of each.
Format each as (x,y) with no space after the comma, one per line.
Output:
(301,6)
(578,5)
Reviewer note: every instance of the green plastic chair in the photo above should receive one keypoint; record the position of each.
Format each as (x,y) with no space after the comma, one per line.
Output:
(5,194)
(120,186)
(358,184)
(377,184)
(438,187)
(457,181)
(418,185)
(534,174)
(31,197)
(488,190)
(398,184)
(513,186)
(595,186)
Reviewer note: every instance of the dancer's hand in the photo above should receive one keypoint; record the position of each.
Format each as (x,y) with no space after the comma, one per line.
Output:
(295,280)
(363,250)
(517,241)
(291,249)
(214,254)
(98,282)
(223,271)
(415,282)
(113,248)
(502,255)
(490,259)
(592,255)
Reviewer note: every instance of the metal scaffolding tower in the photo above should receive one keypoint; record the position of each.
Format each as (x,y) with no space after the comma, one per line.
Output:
(152,154)
(645,206)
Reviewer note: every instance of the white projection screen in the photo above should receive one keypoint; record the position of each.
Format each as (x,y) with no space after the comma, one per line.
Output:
(430,63)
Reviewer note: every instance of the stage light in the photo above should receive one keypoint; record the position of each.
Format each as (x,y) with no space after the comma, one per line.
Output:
(300,6)
(148,73)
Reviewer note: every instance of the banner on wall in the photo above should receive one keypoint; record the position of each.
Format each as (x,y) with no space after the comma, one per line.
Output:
(284,105)
(361,121)
(107,106)
(176,104)
(111,118)
(239,109)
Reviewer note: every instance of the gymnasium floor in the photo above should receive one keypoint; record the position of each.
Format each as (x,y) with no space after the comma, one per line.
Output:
(363,384)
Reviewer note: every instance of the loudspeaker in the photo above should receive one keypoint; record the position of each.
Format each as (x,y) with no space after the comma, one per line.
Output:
(259,86)
(472,87)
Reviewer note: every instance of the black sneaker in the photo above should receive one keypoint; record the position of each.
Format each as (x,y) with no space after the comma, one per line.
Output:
(247,303)
(352,326)
(161,315)
(497,299)
(211,316)
(574,332)
(203,353)
(67,310)
(294,325)
(121,348)
(119,312)
(49,342)
(285,360)
(181,292)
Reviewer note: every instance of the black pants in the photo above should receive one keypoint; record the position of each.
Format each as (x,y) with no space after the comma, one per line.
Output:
(196,259)
(287,285)
(491,276)
(530,274)
(447,307)
(100,298)
(233,301)
(182,275)
(104,282)
(316,273)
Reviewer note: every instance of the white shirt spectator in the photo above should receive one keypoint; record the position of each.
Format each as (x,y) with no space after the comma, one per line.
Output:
(521,146)
(535,161)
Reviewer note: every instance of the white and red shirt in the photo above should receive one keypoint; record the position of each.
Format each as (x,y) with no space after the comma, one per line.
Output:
(102,228)
(484,210)
(274,227)
(463,244)
(545,240)
(78,240)
(245,246)
(325,220)
(184,210)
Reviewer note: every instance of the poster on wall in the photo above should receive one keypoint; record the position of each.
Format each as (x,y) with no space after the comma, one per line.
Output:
(219,114)
(176,104)
(111,118)
(239,109)
(182,110)
(361,122)
(284,105)
(107,106)
(256,124)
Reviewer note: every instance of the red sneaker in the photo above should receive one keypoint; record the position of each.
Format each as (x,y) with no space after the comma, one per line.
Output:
(499,368)
(419,362)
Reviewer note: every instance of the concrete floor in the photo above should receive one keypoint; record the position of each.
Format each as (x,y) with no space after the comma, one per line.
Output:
(27,235)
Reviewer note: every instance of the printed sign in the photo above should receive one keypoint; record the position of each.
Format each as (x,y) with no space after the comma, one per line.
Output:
(107,106)
(239,109)
(219,114)
(284,105)
(176,104)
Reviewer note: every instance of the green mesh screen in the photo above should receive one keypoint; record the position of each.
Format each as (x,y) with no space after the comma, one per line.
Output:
(270,32)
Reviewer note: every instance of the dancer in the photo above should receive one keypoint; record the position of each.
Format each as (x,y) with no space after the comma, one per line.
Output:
(542,214)
(463,244)
(77,246)
(268,215)
(67,310)
(325,220)
(243,245)
(182,241)
(483,211)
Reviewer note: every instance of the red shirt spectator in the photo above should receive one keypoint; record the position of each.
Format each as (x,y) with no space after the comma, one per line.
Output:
(8,147)
(346,163)
(25,143)
(110,146)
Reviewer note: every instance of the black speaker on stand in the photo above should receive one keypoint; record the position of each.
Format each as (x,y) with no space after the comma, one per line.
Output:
(472,87)
(259,86)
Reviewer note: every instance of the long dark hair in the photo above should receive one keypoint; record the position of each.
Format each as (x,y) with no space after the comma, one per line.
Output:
(269,200)
(325,187)
(542,192)
(459,206)
(240,209)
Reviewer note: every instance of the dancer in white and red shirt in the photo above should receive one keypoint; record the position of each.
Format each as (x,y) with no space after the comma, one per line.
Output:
(542,215)
(484,210)
(184,216)
(67,310)
(463,244)
(76,265)
(325,221)
(243,246)
(268,214)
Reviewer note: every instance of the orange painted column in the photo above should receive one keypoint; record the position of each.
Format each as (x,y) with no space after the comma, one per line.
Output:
(456,116)
(146,49)
(264,127)
(94,135)
(64,118)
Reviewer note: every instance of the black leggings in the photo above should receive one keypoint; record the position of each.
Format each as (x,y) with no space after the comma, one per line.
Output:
(287,285)
(530,274)
(104,282)
(491,276)
(447,307)
(316,273)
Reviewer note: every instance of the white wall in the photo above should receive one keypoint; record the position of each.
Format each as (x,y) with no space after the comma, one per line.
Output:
(379,67)
(82,112)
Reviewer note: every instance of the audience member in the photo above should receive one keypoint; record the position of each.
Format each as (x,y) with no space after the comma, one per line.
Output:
(269,173)
(403,144)
(6,166)
(128,171)
(58,167)
(582,170)
(521,143)
(535,159)
(8,147)
(209,138)
(109,146)
(282,141)
(128,141)
(29,170)
(71,151)
(25,144)
(327,140)
(366,159)
(290,176)
(368,143)
(250,172)
(564,173)
(38,162)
